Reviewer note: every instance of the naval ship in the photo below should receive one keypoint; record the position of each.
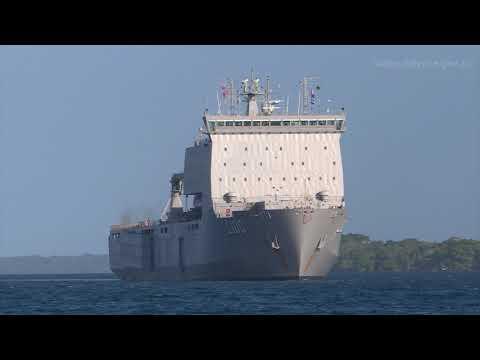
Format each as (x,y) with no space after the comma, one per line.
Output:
(261,195)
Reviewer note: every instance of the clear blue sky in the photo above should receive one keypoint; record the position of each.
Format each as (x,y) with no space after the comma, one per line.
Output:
(88,133)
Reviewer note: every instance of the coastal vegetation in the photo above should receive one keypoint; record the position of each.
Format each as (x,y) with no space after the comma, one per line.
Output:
(359,253)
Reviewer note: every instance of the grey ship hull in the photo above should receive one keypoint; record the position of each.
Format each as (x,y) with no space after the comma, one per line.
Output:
(271,244)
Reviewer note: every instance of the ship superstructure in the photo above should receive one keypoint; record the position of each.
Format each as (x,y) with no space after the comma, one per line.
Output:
(267,190)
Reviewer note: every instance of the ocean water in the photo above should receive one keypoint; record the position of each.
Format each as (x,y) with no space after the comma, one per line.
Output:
(339,293)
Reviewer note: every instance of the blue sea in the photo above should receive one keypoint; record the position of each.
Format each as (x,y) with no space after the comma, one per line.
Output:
(339,293)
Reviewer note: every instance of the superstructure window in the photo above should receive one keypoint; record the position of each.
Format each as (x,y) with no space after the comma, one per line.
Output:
(265,123)
(294,123)
(229,123)
(331,122)
(275,123)
(322,122)
(247,123)
(238,123)
(313,123)
(304,123)
(286,123)
(220,123)
(256,123)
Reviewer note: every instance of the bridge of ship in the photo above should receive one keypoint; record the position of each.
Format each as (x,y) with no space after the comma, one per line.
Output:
(217,124)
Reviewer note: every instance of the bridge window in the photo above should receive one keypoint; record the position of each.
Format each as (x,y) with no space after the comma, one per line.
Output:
(247,123)
(331,122)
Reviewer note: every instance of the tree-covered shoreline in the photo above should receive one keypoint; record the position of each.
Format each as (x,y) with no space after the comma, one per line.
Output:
(359,253)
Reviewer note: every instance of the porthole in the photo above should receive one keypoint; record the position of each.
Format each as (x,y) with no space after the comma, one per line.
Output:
(283,179)
(295,178)
(324,148)
(266,149)
(233,179)
(258,179)
(244,179)
(320,178)
(225,149)
(306,148)
(261,163)
(281,148)
(270,179)
(334,178)
(220,179)
(244,164)
(308,179)
(292,163)
(303,164)
(246,149)
(224,164)
(334,163)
